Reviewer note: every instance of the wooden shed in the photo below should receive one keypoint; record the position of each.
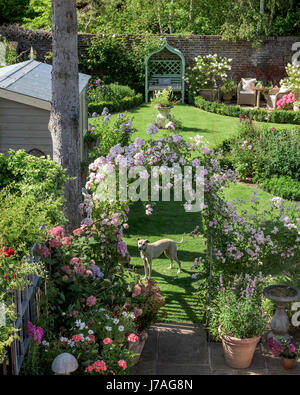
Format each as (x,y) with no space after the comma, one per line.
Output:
(25,104)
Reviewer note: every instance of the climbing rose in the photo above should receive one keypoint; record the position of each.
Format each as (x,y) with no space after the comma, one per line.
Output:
(136,290)
(57,231)
(91,301)
(133,338)
(122,364)
(76,338)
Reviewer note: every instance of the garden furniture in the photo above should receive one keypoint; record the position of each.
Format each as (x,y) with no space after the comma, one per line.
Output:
(164,68)
(276,94)
(258,90)
(245,93)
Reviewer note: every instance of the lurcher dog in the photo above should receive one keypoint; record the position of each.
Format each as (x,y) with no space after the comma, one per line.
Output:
(150,251)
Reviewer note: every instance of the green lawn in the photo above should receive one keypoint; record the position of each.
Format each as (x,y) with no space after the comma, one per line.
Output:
(214,127)
(170,220)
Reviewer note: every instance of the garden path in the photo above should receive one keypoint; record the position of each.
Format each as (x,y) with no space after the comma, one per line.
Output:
(183,349)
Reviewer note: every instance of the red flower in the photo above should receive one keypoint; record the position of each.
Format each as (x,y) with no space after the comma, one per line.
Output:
(133,338)
(76,338)
(8,252)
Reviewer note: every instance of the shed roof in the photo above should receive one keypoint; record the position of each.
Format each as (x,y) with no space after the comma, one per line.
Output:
(32,78)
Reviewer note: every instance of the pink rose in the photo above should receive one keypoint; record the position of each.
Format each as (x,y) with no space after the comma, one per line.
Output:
(91,301)
(107,340)
(54,243)
(133,338)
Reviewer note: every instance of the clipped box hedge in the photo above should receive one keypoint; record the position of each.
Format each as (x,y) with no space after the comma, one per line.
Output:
(116,106)
(257,114)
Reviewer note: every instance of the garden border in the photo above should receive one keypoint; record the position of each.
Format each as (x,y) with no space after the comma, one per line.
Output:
(124,104)
(260,115)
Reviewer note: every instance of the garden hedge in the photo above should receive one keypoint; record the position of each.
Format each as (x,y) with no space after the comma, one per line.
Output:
(275,116)
(115,106)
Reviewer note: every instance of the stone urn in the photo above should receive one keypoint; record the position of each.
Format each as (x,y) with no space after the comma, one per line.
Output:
(238,353)
(227,97)
(163,116)
(137,347)
(281,295)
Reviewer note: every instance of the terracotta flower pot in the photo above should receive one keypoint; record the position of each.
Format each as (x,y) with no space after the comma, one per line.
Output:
(288,363)
(238,353)
(137,347)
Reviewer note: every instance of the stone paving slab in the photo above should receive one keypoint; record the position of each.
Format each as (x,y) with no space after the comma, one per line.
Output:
(183,349)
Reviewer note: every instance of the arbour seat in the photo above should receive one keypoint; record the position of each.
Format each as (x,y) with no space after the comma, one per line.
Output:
(164,68)
(159,82)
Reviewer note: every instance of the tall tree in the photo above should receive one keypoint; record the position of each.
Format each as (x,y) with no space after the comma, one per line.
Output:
(64,118)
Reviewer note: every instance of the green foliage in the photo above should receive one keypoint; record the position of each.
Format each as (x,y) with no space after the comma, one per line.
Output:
(13,10)
(110,92)
(109,133)
(20,220)
(260,115)
(111,57)
(39,15)
(124,104)
(31,175)
(284,186)
(42,179)
(11,55)
(268,156)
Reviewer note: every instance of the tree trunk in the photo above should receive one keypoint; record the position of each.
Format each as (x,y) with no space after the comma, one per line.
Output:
(262,6)
(171,16)
(191,11)
(64,117)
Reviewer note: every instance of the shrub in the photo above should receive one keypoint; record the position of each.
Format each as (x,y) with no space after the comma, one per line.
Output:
(124,104)
(110,92)
(117,61)
(108,133)
(283,186)
(260,115)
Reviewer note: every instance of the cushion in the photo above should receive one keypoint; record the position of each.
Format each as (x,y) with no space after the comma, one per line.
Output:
(164,81)
(247,85)
(284,89)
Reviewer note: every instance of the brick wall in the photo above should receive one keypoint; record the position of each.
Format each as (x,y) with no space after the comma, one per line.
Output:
(266,63)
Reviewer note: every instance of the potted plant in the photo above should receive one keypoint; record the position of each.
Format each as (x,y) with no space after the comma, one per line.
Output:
(238,319)
(164,101)
(284,348)
(228,89)
(145,303)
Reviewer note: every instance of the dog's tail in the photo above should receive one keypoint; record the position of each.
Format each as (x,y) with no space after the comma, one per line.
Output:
(181,240)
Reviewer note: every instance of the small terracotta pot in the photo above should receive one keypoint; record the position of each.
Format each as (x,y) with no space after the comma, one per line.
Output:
(138,346)
(238,353)
(288,363)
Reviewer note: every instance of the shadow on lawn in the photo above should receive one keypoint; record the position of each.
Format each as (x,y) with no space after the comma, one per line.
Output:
(185,299)
(184,256)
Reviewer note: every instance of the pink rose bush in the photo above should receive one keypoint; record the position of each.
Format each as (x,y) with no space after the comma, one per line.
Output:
(286,102)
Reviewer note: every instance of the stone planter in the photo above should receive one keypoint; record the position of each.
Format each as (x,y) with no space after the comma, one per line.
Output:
(163,116)
(209,94)
(288,363)
(227,97)
(138,346)
(238,353)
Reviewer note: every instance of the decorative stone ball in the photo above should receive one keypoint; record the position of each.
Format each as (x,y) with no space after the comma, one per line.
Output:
(64,364)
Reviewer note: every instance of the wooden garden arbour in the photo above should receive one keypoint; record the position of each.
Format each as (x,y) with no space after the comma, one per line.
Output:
(164,68)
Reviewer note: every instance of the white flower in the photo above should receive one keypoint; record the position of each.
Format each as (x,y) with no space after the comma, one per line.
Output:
(124,314)
(116,320)
(90,332)
(121,328)
(108,328)
(132,315)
